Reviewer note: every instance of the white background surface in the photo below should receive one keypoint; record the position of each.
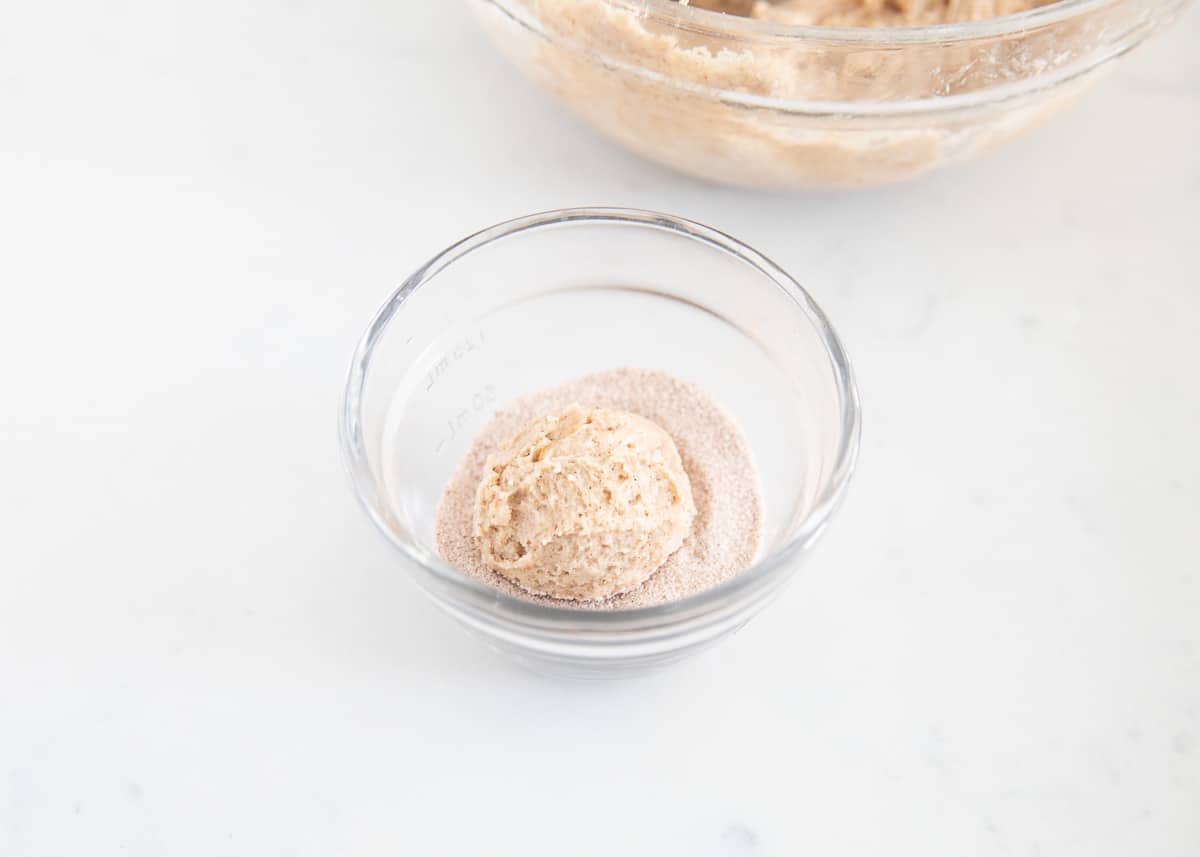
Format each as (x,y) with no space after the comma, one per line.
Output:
(206,650)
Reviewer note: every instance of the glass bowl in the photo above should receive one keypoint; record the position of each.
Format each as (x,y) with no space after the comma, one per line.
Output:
(539,301)
(758,104)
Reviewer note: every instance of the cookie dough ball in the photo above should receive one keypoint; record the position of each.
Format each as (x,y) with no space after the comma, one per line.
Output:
(583,504)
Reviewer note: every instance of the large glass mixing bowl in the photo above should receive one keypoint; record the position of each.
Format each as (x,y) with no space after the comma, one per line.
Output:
(759,104)
(535,302)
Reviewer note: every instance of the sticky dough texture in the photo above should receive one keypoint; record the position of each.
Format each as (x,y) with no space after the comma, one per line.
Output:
(868,13)
(671,109)
(583,504)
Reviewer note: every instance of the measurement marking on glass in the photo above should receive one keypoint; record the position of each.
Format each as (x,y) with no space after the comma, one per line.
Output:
(460,350)
(482,399)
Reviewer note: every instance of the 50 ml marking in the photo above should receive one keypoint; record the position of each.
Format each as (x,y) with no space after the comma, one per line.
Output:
(481,400)
(460,350)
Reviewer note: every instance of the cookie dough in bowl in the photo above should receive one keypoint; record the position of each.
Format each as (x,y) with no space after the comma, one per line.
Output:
(657,499)
(816,93)
(583,504)
(658,488)
(867,13)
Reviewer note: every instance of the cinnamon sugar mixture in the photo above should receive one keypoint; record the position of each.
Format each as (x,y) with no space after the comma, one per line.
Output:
(727,528)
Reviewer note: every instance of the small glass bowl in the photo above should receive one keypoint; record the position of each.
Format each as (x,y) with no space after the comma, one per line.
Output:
(759,104)
(538,301)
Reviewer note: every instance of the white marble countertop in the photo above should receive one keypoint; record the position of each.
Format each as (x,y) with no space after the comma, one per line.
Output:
(206,650)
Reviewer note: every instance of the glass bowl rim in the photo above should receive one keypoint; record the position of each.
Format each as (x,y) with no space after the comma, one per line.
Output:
(751,31)
(698,19)
(355,459)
